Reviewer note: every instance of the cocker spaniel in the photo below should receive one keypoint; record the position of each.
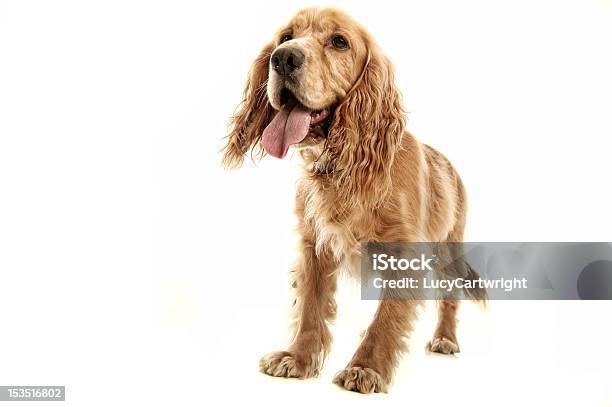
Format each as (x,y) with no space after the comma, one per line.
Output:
(324,87)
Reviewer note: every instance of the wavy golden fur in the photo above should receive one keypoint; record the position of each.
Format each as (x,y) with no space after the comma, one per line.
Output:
(365,178)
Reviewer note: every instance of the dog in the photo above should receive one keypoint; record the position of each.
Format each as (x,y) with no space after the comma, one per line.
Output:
(324,88)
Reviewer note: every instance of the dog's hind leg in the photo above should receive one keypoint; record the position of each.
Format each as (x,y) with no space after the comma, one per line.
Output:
(445,336)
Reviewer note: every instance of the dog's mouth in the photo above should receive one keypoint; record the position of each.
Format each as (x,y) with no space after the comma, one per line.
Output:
(293,123)
(319,117)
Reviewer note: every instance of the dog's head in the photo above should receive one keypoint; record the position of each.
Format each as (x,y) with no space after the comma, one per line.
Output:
(318,58)
(323,86)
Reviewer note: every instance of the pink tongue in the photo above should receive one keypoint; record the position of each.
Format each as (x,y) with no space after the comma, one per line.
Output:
(289,126)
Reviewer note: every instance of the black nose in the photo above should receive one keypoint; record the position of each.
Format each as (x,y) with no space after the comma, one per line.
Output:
(286,60)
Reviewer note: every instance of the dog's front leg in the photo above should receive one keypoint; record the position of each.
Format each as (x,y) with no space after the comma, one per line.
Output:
(315,286)
(372,366)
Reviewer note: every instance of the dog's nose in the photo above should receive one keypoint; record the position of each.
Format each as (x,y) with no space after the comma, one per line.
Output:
(286,60)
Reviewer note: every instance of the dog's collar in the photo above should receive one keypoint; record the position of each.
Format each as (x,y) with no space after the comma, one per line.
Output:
(322,169)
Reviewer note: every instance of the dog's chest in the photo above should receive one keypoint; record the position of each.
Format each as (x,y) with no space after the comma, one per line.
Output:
(331,232)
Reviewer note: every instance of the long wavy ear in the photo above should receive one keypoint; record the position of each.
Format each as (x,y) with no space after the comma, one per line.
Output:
(366,133)
(252,116)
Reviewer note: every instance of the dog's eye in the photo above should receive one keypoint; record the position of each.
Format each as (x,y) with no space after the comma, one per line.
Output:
(285,38)
(339,42)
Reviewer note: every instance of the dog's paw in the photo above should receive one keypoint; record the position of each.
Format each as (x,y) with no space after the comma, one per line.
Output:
(288,364)
(443,345)
(360,379)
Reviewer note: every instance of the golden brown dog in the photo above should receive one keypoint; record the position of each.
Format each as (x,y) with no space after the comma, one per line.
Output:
(324,87)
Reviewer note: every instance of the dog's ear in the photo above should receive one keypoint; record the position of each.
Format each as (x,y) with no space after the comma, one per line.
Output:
(366,132)
(252,116)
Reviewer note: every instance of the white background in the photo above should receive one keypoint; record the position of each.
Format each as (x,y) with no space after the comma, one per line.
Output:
(136,272)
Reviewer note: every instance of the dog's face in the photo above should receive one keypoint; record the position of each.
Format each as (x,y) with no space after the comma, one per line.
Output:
(318,57)
(324,86)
